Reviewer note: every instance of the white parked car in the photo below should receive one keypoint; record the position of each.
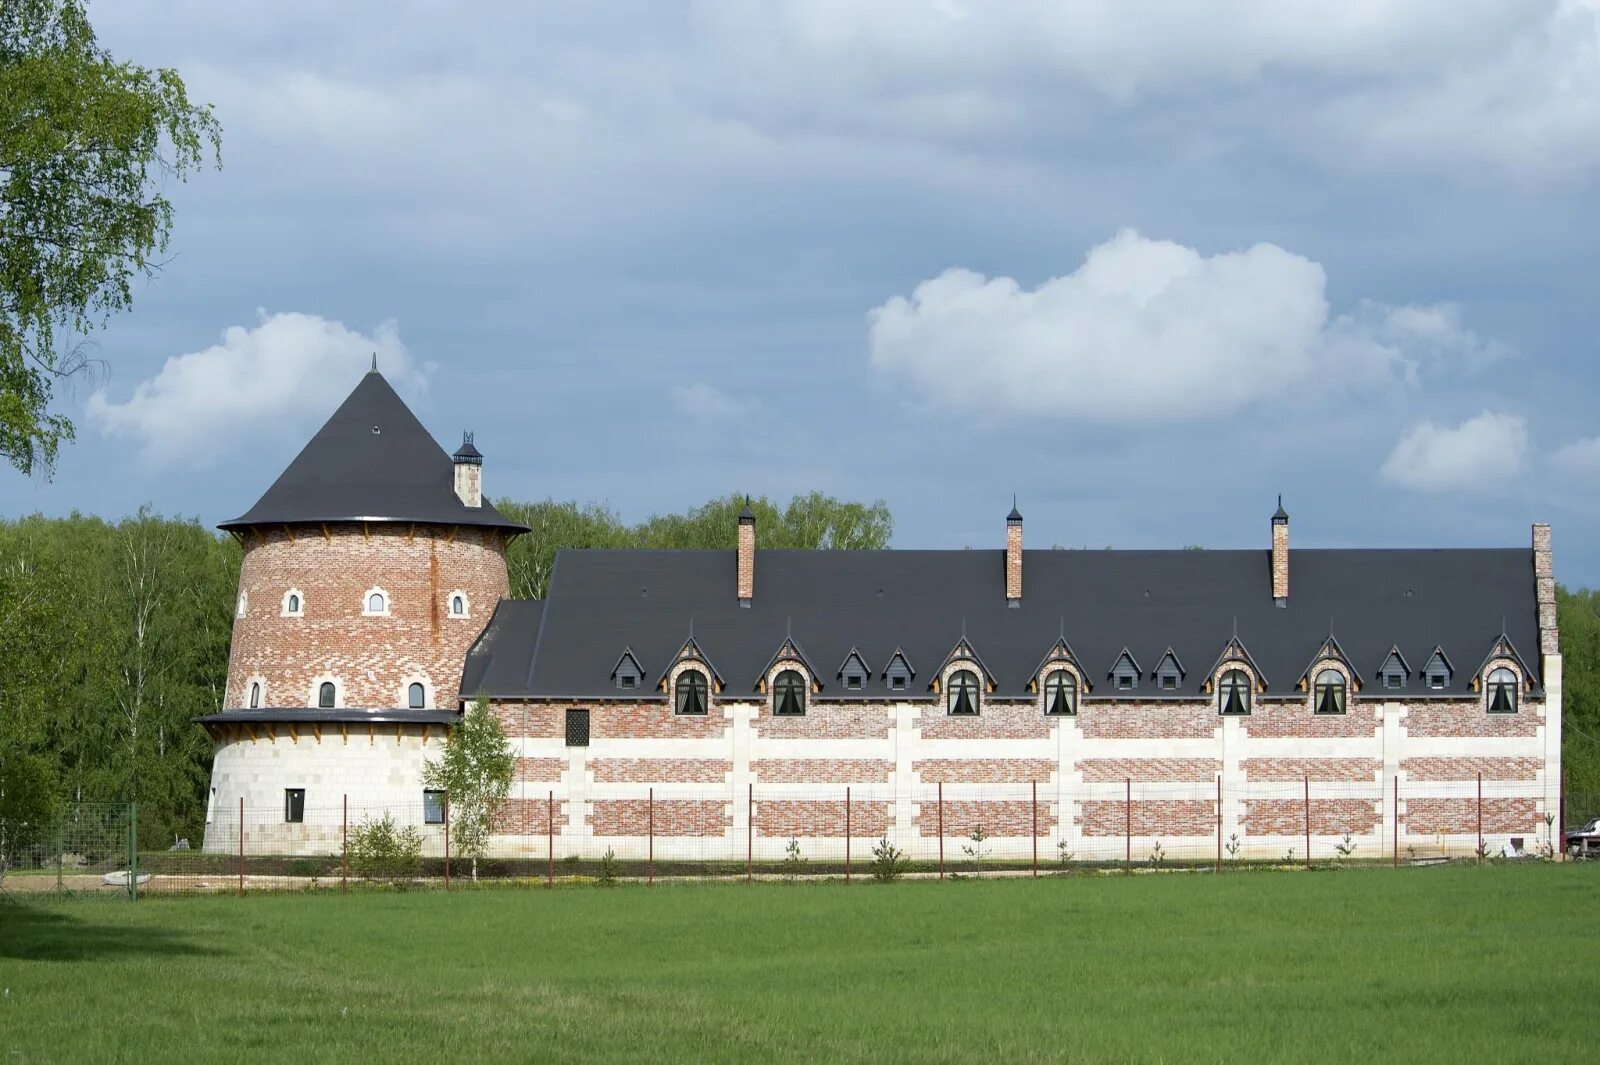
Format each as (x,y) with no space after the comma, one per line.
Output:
(1584,841)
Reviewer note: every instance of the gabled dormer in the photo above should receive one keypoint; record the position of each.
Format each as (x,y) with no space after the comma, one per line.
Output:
(897,675)
(1168,674)
(963,652)
(691,653)
(1235,653)
(1437,671)
(789,651)
(1060,655)
(627,674)
(854,672)
(1502,651)
(1124,675)
(1328,653)
(1395,672)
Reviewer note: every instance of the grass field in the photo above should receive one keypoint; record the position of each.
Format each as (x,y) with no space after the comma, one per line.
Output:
(1448,965)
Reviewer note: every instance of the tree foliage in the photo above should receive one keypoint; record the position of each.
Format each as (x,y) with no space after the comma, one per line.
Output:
(809,522)
(475,774)
(86,144)
(1579,617)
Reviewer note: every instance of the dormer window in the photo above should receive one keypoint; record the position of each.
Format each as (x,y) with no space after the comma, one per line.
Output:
(1394,671)
(627,682)
(963,698)
(1437,672)
(897,674)
(1169,672)
(854,673)
(1502,691)
(690,696)
(789,694)
(1125,674)
(1329,692)
(375,603)
(1061,693)
(1233,693)
(627,674)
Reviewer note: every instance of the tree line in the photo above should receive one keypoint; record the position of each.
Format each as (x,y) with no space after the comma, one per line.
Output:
(115,634)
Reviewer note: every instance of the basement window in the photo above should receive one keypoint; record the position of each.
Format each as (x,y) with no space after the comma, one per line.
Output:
(294,805)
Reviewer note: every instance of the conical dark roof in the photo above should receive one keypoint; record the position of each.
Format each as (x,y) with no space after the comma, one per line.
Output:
(371,461)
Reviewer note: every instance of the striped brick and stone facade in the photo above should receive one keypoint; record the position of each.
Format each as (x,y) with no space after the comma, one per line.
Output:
(1114,702)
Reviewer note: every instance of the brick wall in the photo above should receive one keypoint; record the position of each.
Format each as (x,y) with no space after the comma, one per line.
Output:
(1364,770)
(821,770)
(672,817)
(1165,720)
(995,721)
(998,817)
(985,770)
(1150,817)
(661,770)
(1109,770)
(1469,768)
(805,818)
(371,658)
(1275,719)
(1468,718)
(1329,817)
(1425,816)
(836,721)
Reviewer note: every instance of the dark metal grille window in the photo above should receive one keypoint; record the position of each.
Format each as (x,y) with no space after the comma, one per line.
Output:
(294,805)
(577,728)
(964,693)
(691,692)
(1328,694)
(433,807)
(1061,693)
(1233,693)
(789,694)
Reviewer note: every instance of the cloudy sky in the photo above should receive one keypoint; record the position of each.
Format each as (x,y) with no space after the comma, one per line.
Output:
(1143,265)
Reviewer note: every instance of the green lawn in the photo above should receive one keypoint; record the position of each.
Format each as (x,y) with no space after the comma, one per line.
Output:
(1447,964)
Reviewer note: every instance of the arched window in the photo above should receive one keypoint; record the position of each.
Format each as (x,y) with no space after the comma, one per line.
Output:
(416,697)
(1328,693)
(244,604)
(1502,691)
(377,603)
(789,694)
(1061,693)
(294,603)
(964,693)
(255,695)
(458,605)
(326,695)
(1233,693)
(691,692)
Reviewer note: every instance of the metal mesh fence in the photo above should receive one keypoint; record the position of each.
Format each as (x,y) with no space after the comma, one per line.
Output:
(672,833)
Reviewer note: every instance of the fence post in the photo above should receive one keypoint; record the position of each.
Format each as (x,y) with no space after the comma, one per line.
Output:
(651,808)
(749,829)
(550,840)
(847,834)
(1397,820)
(344,848)
(60,883)
(1308,820)
(241,846)
(1561,818)
(941,830)
(447,841)
(1219,823)
(1035,829)
(1127,825)
(1480,817)
(133,851)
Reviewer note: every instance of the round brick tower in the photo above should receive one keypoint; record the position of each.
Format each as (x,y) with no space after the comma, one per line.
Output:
(370,567)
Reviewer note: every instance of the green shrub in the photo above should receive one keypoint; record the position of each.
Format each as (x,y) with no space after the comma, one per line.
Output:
(380,850)
(888,861)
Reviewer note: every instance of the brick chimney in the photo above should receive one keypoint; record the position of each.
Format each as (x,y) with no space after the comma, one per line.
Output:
(1544,581)
(747,555)
(1014,556)
(469,472)
(1280,555)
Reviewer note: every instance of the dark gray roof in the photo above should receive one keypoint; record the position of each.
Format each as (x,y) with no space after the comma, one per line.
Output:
(372,461)
(349,715)
(922,601)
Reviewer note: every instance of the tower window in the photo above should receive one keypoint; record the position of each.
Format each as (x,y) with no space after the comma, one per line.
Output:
(690,697)
(1233,693)
(255,695)
(789,694)
(326,695)
(458,604)
(963,693)
(375,603)
(1061,693)
(416,696)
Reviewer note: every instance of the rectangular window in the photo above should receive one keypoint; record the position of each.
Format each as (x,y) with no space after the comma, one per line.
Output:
(577,728)
(897,683)
(294,805)
(211,806)
(853,682)
(627,680)
(1436,681)
(432,807)
(1125,681)
(1393,680)
(1169,682)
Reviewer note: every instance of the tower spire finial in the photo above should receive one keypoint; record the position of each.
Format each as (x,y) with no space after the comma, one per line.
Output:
(374,363)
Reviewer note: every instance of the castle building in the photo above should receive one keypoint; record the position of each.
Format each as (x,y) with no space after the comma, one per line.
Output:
(1263,695)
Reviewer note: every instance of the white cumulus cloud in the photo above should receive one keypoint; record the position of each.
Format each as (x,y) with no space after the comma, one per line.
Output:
(1149,329)
(287,367)
(1481,452)
(707,401)
(1580,456)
